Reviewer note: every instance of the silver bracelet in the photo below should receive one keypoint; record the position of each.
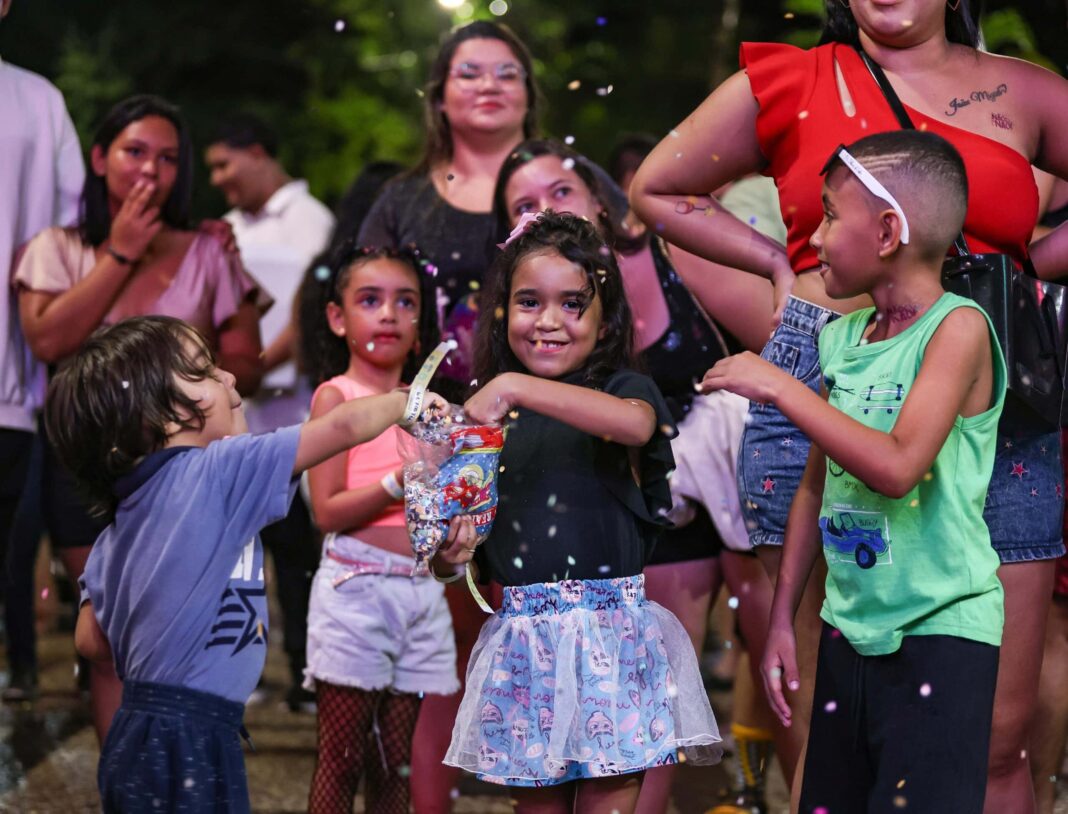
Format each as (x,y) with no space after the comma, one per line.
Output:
(447,580)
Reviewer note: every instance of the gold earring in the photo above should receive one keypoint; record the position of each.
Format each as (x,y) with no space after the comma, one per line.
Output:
(953,6)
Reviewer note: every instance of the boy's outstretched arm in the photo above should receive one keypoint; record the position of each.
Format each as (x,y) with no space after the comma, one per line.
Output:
(955,378)
(352,423)
(800,549)
(89,638)
(630,422)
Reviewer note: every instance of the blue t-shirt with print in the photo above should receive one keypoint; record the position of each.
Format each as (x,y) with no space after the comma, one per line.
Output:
(176,580)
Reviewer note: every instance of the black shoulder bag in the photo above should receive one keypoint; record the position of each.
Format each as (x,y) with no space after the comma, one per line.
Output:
(1030,316)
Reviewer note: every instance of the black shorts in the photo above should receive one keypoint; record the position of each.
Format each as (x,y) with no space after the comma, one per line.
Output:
(909,731)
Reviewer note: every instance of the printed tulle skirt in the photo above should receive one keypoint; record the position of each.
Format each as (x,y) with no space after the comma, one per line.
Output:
(579,679)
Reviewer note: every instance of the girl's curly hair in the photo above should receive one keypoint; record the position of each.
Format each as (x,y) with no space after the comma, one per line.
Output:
(574,239)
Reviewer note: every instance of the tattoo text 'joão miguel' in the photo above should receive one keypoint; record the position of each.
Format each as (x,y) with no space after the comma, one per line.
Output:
(957,103)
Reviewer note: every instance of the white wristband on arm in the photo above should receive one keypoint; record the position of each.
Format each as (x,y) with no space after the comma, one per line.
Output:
(392,486)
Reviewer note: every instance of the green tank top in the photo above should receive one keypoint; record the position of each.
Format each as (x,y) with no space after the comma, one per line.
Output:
(921,564)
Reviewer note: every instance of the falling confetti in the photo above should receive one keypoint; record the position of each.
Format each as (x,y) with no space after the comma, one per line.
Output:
(607,89)
(339,26)
(602,21)
(830,706)
(552,531)
(322,273)
(574,84)
(604,569)
(551,501)
(788,15)
(568,164)
(125,385)
(569,140)
(370,346)
(732,603)
(518,562)
(803,114)
(925,690)
(570,560)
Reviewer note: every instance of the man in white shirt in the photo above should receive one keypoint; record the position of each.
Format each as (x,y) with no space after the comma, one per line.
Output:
(280,228)
(41,177)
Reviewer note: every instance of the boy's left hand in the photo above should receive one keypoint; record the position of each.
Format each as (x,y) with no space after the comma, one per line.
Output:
(747,375)
(494,401)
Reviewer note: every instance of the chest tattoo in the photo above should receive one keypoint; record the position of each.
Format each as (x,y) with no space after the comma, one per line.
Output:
(1001,120)
(956,103)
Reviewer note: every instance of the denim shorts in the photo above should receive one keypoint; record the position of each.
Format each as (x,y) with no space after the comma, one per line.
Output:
(773,451)
(1025,501)
(375,631)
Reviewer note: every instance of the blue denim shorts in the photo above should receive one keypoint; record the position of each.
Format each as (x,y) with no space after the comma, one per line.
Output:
(1025,501)
(773,451)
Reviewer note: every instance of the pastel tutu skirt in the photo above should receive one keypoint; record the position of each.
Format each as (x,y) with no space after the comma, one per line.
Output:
(581,679)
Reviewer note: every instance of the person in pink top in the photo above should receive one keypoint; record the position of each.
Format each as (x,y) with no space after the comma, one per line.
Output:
(132,254)
(378,637)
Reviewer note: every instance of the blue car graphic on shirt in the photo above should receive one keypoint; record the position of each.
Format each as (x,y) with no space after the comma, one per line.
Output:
(883,398)
(849,538)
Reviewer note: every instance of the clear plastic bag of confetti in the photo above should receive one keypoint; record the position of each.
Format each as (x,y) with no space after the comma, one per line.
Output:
(450,469)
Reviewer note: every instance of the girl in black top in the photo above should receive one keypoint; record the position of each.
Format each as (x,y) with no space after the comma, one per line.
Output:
(578,684)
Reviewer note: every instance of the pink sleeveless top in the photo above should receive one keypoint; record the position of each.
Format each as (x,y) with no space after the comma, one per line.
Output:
(373,460)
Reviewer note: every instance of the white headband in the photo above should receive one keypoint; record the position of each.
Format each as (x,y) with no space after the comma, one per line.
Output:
(874,187)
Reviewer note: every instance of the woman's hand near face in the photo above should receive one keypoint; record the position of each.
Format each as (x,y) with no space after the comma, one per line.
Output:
(136,223)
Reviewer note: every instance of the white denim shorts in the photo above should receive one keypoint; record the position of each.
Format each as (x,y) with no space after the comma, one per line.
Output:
(378,631)
(706,451)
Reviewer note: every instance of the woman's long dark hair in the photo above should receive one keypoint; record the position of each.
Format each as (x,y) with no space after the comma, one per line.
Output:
(574,239)
(438,147)
(962,25)
(96,214)
(323,353)
(611,217)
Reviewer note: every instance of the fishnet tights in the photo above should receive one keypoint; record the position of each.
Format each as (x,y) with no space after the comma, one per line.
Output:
(362,732)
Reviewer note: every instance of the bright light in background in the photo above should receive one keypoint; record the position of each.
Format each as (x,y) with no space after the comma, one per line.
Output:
(498,7)
(451,5)
(466,11)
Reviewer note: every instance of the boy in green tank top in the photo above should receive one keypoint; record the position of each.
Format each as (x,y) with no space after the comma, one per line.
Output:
(903,445)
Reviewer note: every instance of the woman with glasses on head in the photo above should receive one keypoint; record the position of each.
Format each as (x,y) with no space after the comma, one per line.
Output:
(480,102)
(781,115)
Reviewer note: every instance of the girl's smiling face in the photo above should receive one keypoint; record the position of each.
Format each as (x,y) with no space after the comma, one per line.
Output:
(554,315)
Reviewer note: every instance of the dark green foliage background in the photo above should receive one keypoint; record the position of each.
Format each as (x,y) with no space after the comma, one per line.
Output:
(340,99)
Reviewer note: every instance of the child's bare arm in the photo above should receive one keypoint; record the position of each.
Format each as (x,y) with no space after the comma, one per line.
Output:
(955,378)
(335,506)
(800,549)
(89,638)
(630,422)
(352,423)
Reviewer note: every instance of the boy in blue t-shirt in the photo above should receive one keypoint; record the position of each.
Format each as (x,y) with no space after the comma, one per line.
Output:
(903,444)
(173,590)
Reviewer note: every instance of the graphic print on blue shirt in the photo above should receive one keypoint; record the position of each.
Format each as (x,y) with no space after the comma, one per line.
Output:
(856,535)
(239,622)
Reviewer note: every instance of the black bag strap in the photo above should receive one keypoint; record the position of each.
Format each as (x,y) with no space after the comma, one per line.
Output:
(903,119)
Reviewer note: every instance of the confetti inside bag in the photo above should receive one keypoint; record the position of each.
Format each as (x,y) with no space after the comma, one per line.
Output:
(450,469)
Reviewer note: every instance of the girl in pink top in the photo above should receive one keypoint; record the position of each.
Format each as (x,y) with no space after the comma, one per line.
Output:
(378,638)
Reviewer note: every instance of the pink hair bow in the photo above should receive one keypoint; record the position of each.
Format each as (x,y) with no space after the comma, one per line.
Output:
(525,220)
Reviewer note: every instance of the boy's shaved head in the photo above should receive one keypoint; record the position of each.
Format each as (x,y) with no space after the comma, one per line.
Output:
(926,175)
